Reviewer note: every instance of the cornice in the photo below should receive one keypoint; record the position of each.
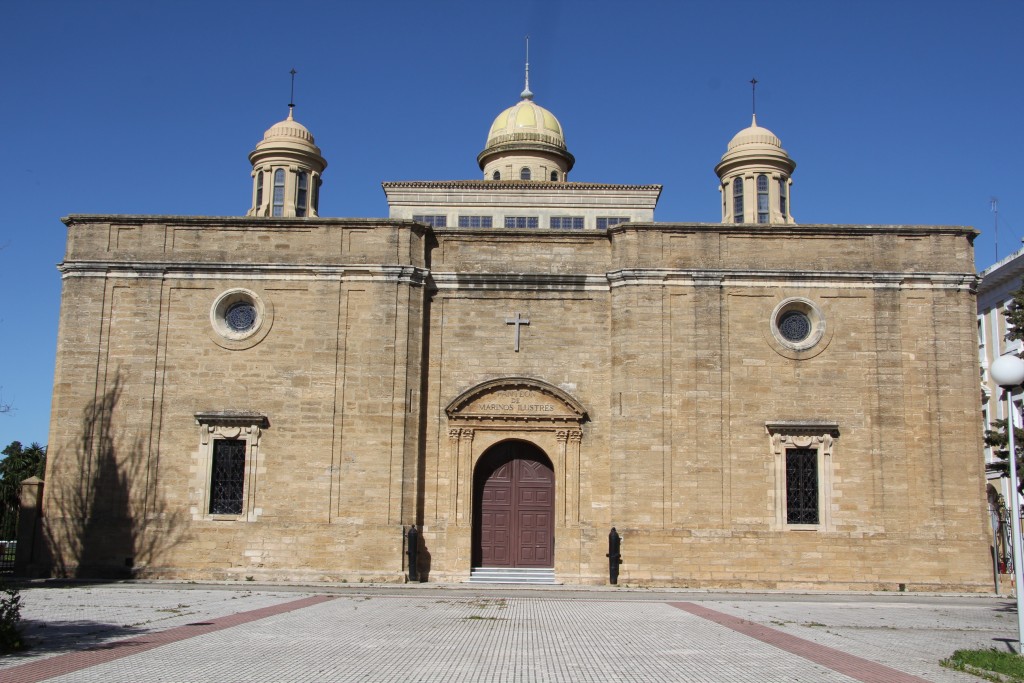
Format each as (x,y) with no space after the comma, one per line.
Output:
(190,271)
(241,222)
(692,277)
(803,427)
(759,278)
(474,280)
(776,230)
(520,281)
(517,185)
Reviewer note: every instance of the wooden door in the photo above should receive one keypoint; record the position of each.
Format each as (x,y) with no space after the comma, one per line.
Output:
(515,520)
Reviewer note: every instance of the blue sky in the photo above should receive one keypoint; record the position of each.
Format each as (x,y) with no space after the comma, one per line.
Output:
(895,112)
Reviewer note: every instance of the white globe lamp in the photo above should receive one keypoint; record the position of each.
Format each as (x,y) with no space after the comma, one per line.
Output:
(1008,372)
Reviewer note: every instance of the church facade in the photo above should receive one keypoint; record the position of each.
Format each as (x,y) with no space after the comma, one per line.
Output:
(515,365)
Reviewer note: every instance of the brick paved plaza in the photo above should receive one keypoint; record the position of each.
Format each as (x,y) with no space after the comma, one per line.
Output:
(143,632)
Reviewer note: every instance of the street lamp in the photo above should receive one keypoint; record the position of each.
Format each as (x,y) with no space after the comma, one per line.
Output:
(1008,372)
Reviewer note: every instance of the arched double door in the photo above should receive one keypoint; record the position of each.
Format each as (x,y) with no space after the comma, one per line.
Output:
(513,507)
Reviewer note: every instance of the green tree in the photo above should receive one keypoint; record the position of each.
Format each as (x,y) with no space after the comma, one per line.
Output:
(19,464)
(996,437)
(1015,316)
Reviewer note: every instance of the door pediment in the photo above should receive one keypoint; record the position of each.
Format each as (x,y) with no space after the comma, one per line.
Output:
(516,399)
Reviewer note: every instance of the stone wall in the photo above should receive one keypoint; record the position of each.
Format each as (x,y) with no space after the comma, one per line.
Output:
(660,333)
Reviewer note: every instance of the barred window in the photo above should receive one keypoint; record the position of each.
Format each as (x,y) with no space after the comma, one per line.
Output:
(434,221)
(521,222)
(226,480)
(475,221)
(782,197)
(554,175)
(605,222)
(496,175)
(802,486)
(524,173)
(227,477)
(567,222)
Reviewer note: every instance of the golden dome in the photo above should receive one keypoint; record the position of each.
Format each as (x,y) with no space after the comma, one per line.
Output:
(527,131)
(527,120)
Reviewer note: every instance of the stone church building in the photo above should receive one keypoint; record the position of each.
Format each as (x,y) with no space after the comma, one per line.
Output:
(516,364)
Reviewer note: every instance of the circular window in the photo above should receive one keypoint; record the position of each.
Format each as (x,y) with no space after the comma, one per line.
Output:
(240,318)
(794,326)
(797,329)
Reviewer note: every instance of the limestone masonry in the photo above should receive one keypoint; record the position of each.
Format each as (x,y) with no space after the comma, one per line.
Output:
(515,365)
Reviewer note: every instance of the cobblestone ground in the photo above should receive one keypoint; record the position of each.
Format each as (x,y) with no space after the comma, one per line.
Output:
(176,633)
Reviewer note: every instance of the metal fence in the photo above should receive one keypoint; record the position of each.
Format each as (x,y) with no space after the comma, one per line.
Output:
(1001,529)
(8,538)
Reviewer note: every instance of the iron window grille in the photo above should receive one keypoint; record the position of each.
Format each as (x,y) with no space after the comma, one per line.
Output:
(802,486)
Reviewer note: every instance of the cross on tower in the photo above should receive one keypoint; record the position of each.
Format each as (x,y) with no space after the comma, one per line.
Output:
(517,321)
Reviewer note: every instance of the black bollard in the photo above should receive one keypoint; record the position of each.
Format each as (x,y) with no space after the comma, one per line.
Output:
(614,556)
(413,549)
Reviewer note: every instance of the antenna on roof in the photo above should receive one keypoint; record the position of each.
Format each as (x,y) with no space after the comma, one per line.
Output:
(291,100)
(753,98)
(994,206)
(526,94)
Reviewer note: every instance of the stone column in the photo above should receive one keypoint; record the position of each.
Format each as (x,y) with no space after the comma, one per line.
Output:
(461,441)
(569,463)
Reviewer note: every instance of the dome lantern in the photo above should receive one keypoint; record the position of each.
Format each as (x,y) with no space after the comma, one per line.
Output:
(287,167)
(755,178)
(526,142)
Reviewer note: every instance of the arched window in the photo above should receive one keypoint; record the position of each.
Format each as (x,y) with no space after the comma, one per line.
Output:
(496,175)
(301,193)
(259,189)
(762,198)
(278,208)
(737,200)
(782,198)
(524,174)
(554,176)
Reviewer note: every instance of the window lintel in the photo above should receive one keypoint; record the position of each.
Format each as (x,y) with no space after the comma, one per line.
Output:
(232,418)
(803,427)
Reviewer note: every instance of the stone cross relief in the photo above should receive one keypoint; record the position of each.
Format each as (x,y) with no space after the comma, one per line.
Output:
(517,321)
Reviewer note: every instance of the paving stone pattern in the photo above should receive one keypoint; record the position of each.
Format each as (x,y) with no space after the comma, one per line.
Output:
(493,636)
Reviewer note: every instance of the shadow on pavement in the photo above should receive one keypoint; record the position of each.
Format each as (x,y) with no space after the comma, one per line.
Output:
(50,637)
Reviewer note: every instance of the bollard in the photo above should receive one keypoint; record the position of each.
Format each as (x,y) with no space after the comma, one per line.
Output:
(614,556)
(412,549)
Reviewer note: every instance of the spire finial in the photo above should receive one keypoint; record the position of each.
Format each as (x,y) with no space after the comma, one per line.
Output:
(526,94)
(753,99)
(291,100)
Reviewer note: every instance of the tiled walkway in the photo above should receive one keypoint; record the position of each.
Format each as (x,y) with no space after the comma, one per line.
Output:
(147,632)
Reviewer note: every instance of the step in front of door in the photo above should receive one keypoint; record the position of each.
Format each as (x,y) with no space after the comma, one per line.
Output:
(513,575)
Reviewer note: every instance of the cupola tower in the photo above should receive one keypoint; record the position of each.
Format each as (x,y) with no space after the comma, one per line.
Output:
(755,178)
(526,142)
(286,169)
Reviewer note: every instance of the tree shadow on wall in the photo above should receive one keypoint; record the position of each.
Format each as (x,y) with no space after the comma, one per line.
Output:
(105,516)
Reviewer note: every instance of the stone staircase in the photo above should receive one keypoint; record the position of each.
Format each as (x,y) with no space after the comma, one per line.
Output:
(543,576)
